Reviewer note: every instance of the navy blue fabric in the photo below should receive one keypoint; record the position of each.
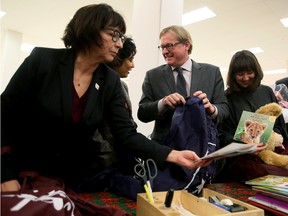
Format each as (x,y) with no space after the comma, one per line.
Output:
(126,185)
(191,129)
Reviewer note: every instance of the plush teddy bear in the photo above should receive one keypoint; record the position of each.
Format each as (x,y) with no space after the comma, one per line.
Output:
(268,155)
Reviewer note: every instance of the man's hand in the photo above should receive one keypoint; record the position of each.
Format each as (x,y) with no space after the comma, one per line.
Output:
(173,100)
(207,105)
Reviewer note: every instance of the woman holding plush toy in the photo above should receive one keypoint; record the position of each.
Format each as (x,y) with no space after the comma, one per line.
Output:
(245,92)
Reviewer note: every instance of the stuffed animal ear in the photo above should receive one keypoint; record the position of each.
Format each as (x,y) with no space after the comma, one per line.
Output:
(271,109)
(278,139)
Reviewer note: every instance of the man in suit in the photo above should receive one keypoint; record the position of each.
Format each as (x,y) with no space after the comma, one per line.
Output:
(159,95)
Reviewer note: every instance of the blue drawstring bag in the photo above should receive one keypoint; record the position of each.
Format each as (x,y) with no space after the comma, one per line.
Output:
(191,129)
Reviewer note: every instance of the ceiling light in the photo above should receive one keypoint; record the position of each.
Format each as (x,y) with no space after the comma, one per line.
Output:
(279,71)
(25,47)
(2,13)
(197,15)
(256,50)
(253,50)
(284,21)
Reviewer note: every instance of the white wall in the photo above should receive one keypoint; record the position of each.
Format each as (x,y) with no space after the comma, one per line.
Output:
(10,55)
(145,34)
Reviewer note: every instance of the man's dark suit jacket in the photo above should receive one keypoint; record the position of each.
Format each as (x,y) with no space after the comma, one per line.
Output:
(159,82)
(37,125)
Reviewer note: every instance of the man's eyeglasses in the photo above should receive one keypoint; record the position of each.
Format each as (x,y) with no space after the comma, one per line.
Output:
(168,46)
(116,35)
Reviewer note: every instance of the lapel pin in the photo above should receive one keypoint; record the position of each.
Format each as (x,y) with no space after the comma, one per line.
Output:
(97,86)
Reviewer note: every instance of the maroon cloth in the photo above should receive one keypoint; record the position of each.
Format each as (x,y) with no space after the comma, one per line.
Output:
(249,166)
(47,196)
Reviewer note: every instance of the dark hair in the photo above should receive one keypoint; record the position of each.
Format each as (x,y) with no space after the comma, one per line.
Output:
(128,50)
(84,28)
(243,61)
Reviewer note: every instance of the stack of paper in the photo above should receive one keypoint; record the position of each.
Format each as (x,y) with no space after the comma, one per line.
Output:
(231,150)
(271,193)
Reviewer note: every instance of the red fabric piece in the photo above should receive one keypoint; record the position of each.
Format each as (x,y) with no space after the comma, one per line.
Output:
(47,196)
(245,167)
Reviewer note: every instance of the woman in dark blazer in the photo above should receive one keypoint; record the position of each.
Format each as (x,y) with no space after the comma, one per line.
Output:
(58,98)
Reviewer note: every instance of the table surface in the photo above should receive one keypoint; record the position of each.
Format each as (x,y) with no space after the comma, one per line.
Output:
(235,190)
(111,199)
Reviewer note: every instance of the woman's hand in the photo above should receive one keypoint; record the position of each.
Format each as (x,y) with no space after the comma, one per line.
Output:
(187,158)
(260,147)
(283,104)
(12,185)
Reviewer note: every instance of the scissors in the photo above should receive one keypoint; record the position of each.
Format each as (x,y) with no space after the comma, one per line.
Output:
(147,170)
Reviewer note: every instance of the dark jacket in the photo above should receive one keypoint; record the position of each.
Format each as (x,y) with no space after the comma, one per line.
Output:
(37,128)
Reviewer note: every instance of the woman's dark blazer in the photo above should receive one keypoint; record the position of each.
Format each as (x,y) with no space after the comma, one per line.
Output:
(37,130)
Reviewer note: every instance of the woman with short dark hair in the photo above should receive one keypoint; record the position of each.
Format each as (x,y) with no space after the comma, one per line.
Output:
(58,98)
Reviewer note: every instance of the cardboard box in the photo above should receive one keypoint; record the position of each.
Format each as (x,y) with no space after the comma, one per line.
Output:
(195,205)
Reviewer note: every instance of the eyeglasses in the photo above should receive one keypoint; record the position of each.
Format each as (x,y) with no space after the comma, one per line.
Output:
(116,35)
(168,46)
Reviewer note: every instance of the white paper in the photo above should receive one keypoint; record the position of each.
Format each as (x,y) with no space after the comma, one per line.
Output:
(231,150)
